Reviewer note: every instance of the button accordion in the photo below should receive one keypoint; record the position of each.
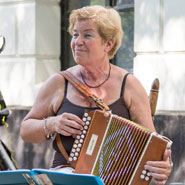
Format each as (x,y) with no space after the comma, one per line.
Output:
(116,149)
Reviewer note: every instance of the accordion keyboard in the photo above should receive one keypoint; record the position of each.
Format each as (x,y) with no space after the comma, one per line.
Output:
(78,143)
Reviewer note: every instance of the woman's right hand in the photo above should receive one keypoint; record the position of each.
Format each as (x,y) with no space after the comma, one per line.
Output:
(66,124)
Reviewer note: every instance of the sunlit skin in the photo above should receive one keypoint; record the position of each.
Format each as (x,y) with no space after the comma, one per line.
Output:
(87,44)
(89,50)
(92,57)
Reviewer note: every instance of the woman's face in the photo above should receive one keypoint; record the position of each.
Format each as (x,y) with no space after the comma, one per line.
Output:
(87,45)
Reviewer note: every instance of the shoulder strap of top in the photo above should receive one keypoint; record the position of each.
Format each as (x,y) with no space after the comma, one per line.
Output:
(65,89)
(123,85)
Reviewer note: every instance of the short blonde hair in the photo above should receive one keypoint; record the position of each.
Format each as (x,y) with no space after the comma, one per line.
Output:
(108,21)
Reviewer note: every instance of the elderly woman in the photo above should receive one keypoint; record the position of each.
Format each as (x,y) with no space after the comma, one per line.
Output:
(96,36)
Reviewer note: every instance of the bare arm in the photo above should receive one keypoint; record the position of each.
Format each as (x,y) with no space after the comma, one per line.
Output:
(140,112)
(46,105)
(137,102)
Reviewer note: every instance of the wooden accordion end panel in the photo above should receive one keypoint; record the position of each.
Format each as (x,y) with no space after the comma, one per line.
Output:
(116,149)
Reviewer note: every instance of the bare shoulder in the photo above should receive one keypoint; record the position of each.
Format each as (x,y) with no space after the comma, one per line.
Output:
(133,83)
(49,97)
(55,80)
(52,86)
(75,70)
(118,72)
(137,101)
(134,90)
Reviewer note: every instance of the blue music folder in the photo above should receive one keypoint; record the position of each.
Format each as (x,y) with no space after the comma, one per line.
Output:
(15,177)
(46,177)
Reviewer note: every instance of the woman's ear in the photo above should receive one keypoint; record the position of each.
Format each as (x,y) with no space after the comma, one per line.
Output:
(109,45)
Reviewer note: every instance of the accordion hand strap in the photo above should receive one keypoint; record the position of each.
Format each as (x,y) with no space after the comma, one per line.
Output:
(82,88)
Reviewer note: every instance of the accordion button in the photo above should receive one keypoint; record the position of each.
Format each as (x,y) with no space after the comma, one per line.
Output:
(74,158)
(142,176)
(144,172)
(79,145)
(78,136)
(86,114)
(148,174)
(85,127)
(84,131)
(81,140)
(87,122)
(76,154)
(88,118)
(146,178)
(75,145)
(82,136)
(78,149)
(73,150)
(70,159)
(84,119)
(72,154)
(76,141)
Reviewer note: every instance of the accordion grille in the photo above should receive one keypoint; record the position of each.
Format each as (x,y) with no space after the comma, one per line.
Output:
(120,151)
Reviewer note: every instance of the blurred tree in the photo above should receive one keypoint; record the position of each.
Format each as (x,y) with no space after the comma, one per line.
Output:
(125,54)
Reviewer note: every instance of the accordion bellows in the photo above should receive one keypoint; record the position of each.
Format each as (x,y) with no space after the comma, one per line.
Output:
(116,149)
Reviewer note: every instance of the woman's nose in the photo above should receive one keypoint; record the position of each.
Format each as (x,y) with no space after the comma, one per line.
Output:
(79,40)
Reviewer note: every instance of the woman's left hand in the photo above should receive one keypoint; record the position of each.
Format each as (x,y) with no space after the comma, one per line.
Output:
(160,170)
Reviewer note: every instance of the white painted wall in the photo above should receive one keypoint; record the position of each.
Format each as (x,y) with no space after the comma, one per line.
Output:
(31,54)
(160,49)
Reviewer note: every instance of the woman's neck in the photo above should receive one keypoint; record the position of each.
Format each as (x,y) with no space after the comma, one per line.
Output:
(95,76)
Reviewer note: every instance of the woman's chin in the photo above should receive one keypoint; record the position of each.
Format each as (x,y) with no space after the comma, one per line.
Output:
(80,60)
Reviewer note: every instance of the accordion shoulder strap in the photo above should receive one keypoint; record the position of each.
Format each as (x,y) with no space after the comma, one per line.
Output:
(82,88)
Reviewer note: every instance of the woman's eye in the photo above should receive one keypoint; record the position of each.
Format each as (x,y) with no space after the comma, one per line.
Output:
(88,35)
(75,35)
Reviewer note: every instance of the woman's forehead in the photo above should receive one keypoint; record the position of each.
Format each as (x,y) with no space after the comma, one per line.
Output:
(87,24)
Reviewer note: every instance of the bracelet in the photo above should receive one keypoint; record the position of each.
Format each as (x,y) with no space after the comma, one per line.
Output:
(48,135)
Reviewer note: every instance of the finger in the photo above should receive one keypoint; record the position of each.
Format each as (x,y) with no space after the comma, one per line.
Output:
(159,182)
(158,164)
(65,133)
(72,121)
(156,169)
(166,155)
(159,176)
(75,118)
(71,130)
(72,126)
(66,129)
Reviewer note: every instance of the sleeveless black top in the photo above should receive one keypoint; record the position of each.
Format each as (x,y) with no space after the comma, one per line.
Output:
(118,108)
